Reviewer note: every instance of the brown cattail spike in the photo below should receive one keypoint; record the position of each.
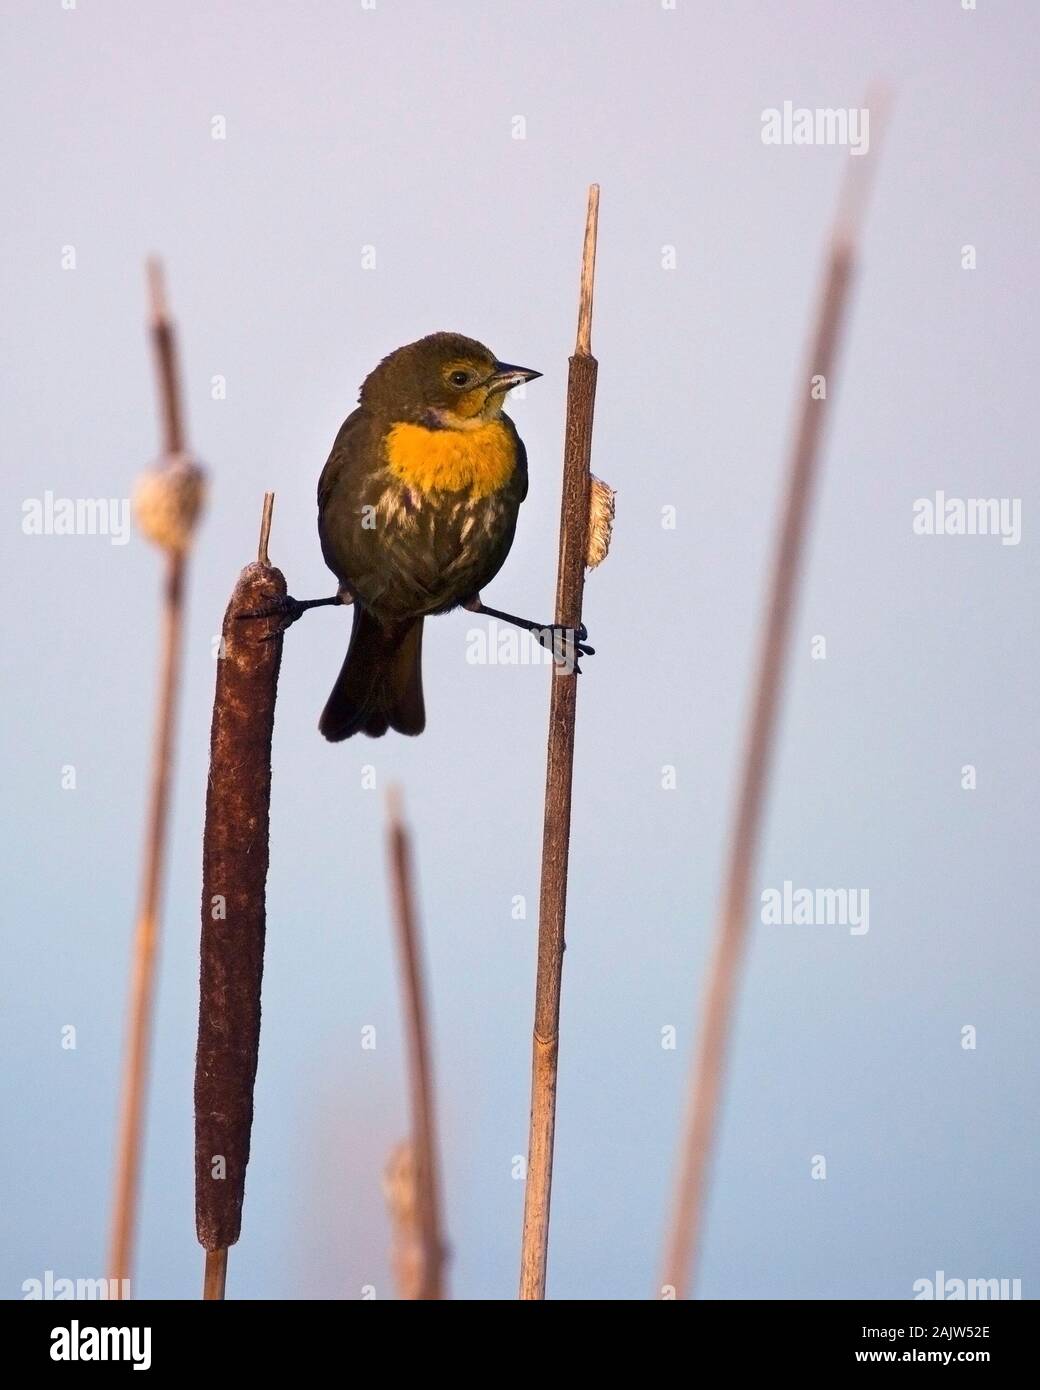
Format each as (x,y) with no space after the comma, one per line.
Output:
(234,878)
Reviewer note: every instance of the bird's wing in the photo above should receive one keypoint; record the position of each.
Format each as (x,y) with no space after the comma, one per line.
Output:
(345,453)
(344,489)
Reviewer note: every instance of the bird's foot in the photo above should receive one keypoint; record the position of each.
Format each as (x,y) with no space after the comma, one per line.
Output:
(567,645)
(286,611)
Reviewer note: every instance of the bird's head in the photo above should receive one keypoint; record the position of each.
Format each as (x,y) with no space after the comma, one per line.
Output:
(444,381)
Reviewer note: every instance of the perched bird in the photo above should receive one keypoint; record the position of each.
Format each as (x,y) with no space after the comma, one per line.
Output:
(417,508)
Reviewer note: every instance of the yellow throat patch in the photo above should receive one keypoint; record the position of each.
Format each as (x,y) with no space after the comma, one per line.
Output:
(480,460)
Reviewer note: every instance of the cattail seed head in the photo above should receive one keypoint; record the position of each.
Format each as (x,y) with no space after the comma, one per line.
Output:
(168,501)
(601,521)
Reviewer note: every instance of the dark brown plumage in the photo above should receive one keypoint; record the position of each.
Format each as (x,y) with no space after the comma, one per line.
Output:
(417,508)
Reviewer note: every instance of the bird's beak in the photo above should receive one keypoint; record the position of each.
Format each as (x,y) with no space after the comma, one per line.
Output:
(505,377)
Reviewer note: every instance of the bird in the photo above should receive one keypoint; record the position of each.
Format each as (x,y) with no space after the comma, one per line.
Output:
(417,510)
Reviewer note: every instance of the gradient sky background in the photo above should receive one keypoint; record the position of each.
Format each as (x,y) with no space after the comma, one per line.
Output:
(392,127)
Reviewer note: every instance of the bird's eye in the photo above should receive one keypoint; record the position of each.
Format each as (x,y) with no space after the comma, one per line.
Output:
(459,378)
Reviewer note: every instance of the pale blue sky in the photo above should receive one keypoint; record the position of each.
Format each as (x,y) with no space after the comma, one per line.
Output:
(392,128)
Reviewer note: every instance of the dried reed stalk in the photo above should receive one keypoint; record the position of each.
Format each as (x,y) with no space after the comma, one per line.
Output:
(683,1241)
(168,501)
(574,527)
(234,915)
(413,1187)
(215,1277)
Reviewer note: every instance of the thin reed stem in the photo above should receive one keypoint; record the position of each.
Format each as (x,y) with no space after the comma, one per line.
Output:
(265,529)
(574,524)
(215,1277)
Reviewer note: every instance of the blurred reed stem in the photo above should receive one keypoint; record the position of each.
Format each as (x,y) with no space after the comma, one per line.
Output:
(146,937)
(683,1243)
(422,1277)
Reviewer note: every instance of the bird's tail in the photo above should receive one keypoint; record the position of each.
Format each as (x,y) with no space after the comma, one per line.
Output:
(380,685)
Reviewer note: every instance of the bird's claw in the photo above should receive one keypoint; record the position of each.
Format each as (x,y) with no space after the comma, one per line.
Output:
(567,644)
(286,610)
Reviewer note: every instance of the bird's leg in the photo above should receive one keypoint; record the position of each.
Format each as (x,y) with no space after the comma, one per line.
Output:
(567,644)
(289,610)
